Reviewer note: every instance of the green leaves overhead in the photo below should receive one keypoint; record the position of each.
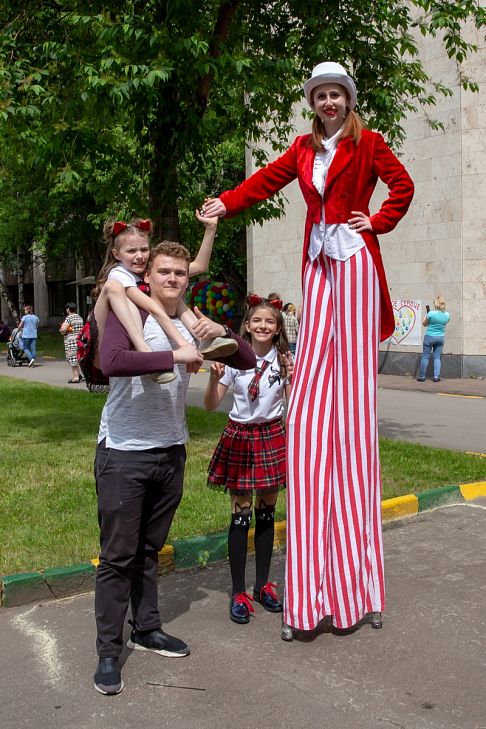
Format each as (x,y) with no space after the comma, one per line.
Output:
(120,105)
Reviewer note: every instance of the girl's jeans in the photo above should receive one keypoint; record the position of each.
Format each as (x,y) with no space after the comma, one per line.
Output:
(432,346)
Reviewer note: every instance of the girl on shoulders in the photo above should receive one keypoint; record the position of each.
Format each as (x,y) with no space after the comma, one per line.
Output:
(120,287)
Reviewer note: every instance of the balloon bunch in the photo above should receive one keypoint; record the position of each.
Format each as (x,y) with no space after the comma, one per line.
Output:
(215,299)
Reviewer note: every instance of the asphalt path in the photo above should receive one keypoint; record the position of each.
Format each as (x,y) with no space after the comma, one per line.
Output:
(423,670)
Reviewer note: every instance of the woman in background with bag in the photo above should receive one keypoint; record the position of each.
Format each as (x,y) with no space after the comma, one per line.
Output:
(70,329)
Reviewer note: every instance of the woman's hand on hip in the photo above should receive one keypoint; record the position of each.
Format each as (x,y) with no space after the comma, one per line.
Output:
(360,222)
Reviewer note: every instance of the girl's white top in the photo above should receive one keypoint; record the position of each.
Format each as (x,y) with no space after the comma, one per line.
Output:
(123,275)
(336,240)
(269,404)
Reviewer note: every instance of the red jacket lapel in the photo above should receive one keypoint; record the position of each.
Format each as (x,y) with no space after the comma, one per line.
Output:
(344,155)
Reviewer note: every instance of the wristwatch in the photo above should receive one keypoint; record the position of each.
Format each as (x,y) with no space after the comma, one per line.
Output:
(227,331)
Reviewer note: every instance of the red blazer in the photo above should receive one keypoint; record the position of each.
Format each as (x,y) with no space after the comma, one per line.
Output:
(350,183)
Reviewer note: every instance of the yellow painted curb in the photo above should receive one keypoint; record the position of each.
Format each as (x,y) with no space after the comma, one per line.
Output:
(473,490)
(166,559)
(399,506)
(280,534)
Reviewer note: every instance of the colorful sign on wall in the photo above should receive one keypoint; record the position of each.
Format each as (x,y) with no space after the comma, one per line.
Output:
(408,322)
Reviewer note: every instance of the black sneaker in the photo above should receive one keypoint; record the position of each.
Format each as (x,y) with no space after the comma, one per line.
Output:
(158,642)
(107,679)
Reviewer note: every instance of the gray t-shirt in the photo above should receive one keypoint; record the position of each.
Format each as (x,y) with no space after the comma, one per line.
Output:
(139,413)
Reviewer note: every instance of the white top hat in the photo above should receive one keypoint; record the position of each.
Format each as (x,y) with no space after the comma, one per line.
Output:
(330,73)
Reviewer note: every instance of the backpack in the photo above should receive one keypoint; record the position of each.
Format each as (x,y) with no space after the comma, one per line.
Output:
(86,346)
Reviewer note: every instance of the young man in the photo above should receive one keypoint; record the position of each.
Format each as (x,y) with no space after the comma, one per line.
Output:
(139,466)
(29,324)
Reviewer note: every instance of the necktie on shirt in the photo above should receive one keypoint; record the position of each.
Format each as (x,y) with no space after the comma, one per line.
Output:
(254,386)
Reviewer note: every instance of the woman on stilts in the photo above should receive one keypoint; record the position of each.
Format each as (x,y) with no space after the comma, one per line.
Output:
(334,540)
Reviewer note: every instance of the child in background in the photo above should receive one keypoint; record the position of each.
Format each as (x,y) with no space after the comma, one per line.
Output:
(250,455)
(121,275)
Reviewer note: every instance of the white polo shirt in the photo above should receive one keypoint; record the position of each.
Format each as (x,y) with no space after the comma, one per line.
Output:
(269,405)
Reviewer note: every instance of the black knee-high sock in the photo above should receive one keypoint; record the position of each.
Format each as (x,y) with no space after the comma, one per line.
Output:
(237,548)
(264,534)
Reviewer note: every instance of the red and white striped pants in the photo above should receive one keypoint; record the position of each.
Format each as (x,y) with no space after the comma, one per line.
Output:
(334,542)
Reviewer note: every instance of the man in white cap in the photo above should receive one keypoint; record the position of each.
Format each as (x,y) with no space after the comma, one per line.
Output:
(334,547)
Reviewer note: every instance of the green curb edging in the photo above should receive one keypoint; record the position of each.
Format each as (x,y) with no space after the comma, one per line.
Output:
(58,582)
(438,497)
(50,584)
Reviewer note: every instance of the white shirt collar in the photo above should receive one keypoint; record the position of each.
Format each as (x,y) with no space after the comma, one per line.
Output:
(331,142)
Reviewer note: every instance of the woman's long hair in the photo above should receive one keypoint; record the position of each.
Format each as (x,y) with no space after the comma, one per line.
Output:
(440,304)
(114,242)
(280,341)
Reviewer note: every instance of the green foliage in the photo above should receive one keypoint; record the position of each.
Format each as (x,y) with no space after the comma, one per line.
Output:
(142,107)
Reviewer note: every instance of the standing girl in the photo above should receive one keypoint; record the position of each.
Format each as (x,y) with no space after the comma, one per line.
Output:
(118,283)
(334,544)
(250,456)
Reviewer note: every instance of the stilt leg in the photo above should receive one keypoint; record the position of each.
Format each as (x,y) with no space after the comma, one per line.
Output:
(376,621)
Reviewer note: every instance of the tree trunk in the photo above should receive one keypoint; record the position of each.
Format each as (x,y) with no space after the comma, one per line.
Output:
(8,301)
(163,177)
(20,286)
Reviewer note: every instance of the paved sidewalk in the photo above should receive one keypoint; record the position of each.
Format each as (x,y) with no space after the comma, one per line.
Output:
(57,373)
(423,670)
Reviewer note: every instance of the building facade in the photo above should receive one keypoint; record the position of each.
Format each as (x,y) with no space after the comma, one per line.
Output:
(439,248)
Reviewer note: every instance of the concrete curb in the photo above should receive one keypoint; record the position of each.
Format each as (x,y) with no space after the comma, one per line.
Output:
(198,552)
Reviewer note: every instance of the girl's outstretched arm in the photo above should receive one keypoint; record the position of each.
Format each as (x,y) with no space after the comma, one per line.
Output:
(201,263)
(215,391)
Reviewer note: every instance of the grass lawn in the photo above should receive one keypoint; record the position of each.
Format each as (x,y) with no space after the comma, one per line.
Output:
(47,495)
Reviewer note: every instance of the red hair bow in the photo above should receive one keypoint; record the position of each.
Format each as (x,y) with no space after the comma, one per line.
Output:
(120,226)
(255,300)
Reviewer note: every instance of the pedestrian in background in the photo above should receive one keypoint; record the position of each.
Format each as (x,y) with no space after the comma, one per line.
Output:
(4,332)
(29,325)
(291,325)
(434,338)
(70,329)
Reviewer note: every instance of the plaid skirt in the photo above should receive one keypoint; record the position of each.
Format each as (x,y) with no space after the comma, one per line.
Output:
(249,456)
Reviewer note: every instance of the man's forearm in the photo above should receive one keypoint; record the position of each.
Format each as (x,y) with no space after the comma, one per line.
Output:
(119,359)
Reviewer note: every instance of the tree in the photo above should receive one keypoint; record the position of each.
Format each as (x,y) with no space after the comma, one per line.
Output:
(126,102)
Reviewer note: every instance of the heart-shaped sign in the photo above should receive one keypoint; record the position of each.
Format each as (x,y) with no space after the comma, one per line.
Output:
(404,323)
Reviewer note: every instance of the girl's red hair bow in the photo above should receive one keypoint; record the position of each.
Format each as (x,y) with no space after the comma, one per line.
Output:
(255,300)
(120,226)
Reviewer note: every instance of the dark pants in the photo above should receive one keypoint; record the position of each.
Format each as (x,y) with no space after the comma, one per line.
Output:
(138,494)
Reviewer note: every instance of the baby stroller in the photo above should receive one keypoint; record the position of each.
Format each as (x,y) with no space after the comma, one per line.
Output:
(15,353)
